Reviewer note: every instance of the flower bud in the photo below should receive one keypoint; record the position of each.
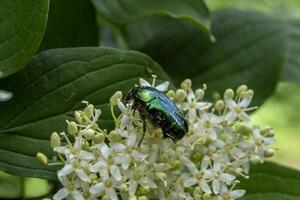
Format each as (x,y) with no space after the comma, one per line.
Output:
(269,153)
(99,138)
(42,158)
(115,98)
(123,187)
(199,93)
(143,190)
(206,196)
(88,111)
(219,105)
(78,117)
(250,93)
(55,140)
(229,94)
(72,128)
(176,165)
(89,134)
(243,128)
(114,136)
(163,158)
(265,130)
(197,193)
(241,89)
(171,94)
(142,197)
(132,198)
(180,95)
(186,84)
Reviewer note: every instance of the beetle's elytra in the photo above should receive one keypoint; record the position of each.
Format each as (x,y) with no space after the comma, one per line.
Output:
(159,109)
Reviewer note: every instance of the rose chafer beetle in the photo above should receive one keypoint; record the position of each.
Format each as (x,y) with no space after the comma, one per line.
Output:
(155,106)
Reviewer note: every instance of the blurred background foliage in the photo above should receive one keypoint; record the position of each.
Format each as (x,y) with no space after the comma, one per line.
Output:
(280,110)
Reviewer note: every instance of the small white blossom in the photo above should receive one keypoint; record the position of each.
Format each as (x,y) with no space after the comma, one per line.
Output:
(226,194)
(193,105)
(107,162)
(238,109)
(218,177)
(69,189)
(202,165)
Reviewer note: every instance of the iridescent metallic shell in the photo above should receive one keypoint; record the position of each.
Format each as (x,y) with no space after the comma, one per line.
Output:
(162,111)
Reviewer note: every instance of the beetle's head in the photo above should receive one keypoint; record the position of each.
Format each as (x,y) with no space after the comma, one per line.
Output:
(131,96)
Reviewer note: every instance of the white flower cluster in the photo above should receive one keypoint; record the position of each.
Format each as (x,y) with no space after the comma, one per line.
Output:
(203,165)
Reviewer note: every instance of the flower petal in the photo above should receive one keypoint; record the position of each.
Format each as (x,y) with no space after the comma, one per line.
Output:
(203,105)
(216,186)
(112,194)
(205,187)
(97,166)
(190,96)
(82,175)
(66,170)
(5,95)
(61,194)
(84,155)
(192,115)
(97,189)
(115,172)
(143,82)
(132,187)
(189,182)
(77,195)
(227,178)
(163,86)
(124,121)
(138,155)
(131,140)
(105,151)
(231,103)
(245,102)
(235,194)
(122,107)
(118,147)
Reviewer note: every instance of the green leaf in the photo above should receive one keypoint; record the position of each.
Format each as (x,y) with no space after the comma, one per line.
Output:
(119,14)
(291,69)
(48,91)
(249,49)
(70,24)
(22,25)
(270,181)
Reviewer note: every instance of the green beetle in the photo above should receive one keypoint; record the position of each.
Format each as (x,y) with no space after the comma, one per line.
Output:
(159,109)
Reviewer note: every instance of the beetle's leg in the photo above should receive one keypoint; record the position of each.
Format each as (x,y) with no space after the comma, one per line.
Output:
(143,116)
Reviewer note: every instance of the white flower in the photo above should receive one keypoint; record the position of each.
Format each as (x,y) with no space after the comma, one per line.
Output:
(161,87)
(238,109)
(139,176)
(209,125)
(218,177)
(193,105)
(226,194)
(127,151)
(127,116)
(70,188)
(260,142)
(105,186)
(107,163)
(197,176)
(229,149)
